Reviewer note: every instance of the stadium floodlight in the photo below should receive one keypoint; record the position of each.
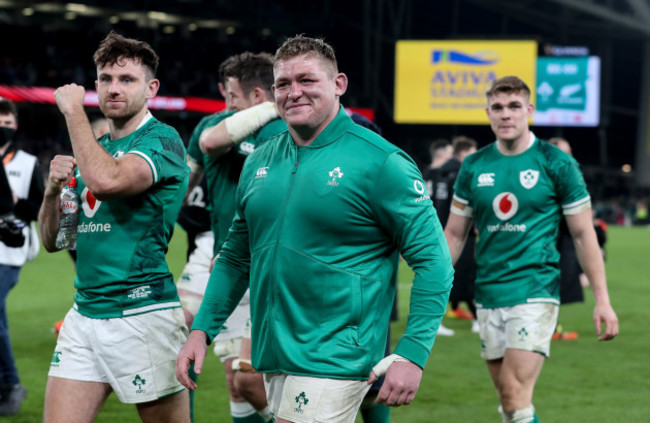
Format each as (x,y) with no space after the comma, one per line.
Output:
(76,7)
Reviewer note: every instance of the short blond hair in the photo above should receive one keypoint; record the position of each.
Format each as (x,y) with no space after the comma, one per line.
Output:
(300,45)
(508,85)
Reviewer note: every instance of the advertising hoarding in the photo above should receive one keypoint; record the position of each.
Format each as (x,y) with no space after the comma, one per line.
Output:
(568,91)
(444,82)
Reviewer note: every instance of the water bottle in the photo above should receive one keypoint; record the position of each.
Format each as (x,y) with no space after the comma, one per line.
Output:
(66,239)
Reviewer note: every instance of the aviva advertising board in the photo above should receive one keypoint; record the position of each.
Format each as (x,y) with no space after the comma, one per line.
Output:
(445,81)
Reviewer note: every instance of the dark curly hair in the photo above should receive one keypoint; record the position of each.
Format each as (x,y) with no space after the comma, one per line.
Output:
(116,47)
(252,70)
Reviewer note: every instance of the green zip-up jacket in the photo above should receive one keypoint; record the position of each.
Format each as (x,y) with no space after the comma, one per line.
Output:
(317,227)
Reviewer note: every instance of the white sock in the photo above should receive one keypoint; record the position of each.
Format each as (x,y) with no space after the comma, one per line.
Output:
(241,409)
(265,413)
(522,415)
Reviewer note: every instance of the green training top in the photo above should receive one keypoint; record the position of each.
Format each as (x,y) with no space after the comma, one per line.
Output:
(222,172)
(517,202)
(317,227)
(121,243)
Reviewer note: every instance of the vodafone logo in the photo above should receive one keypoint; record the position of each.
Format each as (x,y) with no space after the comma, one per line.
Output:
(419,187)
(89,203)
(505,205)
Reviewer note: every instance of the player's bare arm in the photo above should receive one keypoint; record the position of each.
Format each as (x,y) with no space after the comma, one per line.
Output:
(196,174)
(456,232)
(218,140)
(61,171)
(214,141)
(591,260)
(105,176)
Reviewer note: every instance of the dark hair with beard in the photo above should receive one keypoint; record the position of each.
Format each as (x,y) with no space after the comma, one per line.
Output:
(252,71)
(225,68)
(115,48)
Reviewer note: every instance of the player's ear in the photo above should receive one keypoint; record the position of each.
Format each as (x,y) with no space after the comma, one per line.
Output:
(341,82)
(257,95)
(152,87)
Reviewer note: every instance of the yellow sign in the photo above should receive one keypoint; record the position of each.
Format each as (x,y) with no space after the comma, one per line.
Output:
(445,81)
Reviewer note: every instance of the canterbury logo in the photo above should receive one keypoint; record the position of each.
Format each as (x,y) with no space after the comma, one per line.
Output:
(486,180)
(247,147)
(262,172)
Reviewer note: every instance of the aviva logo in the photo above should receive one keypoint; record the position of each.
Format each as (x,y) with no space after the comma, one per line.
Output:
(480,58)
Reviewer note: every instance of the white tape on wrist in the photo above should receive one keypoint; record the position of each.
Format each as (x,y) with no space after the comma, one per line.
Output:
(244,123)
(381,368)
(242,365)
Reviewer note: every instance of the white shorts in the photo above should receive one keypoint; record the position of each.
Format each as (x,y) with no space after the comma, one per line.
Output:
(236,323)
(195,278)
(528,327)
(247,329)
(135,355)
(306,399)
(197,270)
(227,349)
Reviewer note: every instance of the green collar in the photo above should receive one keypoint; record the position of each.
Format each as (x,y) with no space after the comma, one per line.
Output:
(332,132)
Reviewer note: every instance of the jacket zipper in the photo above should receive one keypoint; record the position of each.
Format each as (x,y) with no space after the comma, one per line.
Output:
(274,293)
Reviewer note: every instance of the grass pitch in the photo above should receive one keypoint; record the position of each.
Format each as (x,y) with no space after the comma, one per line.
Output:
(584,381)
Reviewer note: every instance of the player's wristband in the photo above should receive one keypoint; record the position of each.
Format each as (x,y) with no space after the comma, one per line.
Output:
(242,365)
(381,368)
(244,123)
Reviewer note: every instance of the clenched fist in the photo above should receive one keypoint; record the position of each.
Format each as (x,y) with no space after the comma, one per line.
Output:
(70,98)
(61,171)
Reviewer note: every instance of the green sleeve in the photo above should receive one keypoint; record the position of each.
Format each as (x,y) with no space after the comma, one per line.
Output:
(463,184)
(569,181)
(229,278)
(255,140)
(164,151)
(404,209)
(193,149)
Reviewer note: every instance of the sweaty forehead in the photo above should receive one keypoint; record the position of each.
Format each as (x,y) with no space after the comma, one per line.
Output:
(503,98)
(123,65)
(300,65)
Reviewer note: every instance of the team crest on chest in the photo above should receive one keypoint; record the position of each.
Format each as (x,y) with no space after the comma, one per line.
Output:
(528,178)
(335,174)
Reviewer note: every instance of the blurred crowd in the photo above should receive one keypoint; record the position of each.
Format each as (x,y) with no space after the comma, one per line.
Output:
(50,59)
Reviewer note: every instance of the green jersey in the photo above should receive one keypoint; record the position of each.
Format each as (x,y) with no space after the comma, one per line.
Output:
(121,243)
(318,227)
(216,171)
(222,173)
(517,202)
